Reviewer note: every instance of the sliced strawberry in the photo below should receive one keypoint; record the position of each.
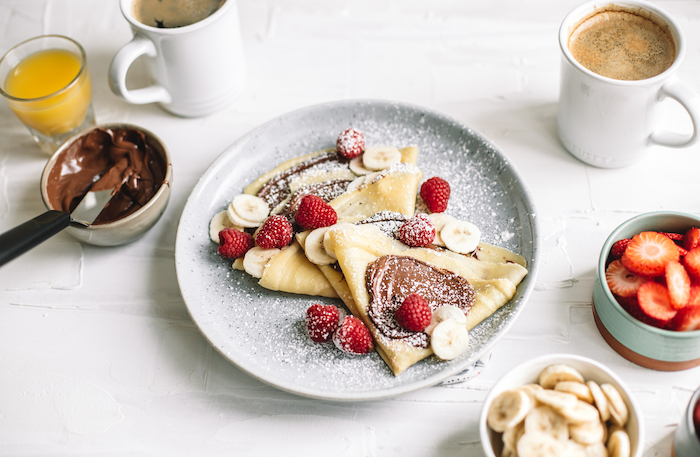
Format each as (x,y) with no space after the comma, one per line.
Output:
(691,261)
(654,301)
(694,296)
(682,252)
(673,236)
(618,248)
(678,284)
(687,319)
(631,305)
(691,238)
(648,253)
(621,281)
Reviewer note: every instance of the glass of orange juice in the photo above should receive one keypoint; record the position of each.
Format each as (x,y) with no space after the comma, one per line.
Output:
(46,83)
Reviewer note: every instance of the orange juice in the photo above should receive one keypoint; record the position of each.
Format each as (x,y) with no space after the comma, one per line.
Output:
(50,91)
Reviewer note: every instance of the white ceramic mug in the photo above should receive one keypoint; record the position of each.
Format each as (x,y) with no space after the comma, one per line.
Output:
(611,123)
(197,69)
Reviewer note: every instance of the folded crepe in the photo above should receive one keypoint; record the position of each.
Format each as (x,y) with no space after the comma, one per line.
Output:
(493,274)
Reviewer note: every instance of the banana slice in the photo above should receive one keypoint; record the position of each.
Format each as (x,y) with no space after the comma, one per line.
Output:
(357,167)
(355,184)
(619,444)
(444,313)
(314,247)
(508,409)
(538,444)
(588,432)
(582,391)
(439,220)
(248,210)
(618,408)
(380,157)
(256,259)
(530,389)
(600,400)
(553,374)
(449,339)
(544,419)
(510,437)
(595,450)
(460,236)
(327,245)
(219,222)
(580,413)
(557,400)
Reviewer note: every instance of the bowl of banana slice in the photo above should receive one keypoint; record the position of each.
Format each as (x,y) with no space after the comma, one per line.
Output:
(561,405)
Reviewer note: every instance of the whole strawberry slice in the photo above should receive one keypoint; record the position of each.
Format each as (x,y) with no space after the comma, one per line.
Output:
(353,337)
(276,232)
(654,301)
(234,243)
(414,314)
(435,192)
(631,305)
(321,322)
(648,253)
(687,319)
(678,284)
(621,281)
(315,213)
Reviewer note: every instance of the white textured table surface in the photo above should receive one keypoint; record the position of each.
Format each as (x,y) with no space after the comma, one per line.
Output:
(98,355)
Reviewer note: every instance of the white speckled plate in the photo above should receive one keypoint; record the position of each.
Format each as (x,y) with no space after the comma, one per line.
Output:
(263,332)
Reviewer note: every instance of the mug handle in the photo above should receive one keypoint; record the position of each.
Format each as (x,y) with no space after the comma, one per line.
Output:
(121,62)
(690,100)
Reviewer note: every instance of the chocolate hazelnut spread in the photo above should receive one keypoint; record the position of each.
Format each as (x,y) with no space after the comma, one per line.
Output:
(276,190)
(391,278)
(119,158)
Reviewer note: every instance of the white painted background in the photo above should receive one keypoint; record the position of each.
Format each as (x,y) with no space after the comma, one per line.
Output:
(98,355)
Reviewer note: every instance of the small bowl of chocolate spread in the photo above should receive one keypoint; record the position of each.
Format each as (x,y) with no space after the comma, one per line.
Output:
(128,158)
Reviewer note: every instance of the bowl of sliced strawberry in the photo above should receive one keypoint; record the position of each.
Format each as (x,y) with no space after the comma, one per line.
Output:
(646,297)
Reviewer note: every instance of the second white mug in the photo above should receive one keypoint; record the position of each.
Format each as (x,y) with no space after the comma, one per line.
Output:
(197,69)
(611,123)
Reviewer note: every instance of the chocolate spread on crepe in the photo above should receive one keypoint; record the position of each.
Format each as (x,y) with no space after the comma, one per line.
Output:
(117,157)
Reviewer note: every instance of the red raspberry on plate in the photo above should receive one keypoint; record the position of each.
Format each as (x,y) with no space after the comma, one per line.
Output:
(350,143)
(314,213)
(414,314)
(321,322)
(435,192)
(417,231)
(234,243)
(276,232)
(353,337)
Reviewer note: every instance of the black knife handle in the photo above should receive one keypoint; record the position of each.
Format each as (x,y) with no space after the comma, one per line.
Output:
(24,237)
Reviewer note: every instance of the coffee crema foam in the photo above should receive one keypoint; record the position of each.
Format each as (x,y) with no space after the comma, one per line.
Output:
(622,45)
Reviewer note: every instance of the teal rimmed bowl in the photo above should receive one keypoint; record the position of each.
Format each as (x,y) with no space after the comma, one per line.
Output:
(647,346)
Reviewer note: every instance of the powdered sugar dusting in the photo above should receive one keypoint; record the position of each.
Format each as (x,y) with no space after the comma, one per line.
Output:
(263,332)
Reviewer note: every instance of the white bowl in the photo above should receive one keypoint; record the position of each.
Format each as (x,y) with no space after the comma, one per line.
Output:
(529,372)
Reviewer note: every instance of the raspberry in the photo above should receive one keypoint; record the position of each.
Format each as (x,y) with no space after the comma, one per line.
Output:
(234,243)
(353,337)
(417,231)
(276,232)
(435,192)
(350,143)
(618,248)
(414,314)
(321,322)
(314,212)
